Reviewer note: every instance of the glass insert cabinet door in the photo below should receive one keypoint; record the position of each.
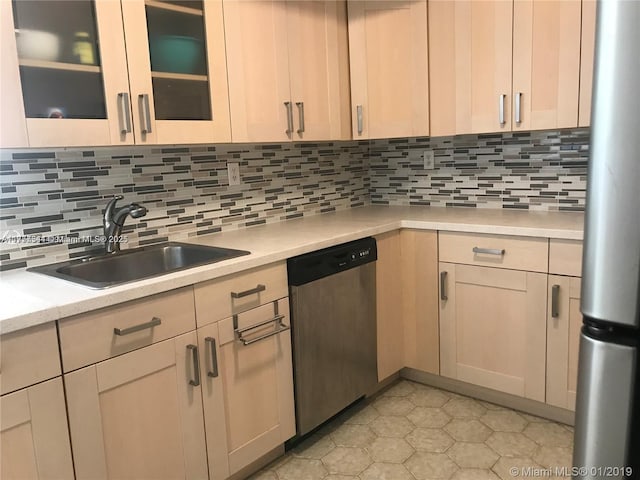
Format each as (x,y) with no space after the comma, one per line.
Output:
(71,63)
(177,70)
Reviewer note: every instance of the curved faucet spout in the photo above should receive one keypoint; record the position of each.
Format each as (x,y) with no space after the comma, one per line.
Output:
(114,221)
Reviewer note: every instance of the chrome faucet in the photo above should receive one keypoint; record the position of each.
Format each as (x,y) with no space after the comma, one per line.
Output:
(113,221)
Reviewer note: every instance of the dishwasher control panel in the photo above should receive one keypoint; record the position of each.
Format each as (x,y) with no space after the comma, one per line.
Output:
(322,263)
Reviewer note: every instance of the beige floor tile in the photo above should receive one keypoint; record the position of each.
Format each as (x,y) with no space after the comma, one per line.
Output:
(428,397)
(472,455)
(430,440)
(464,407)
(386,471)
(347,460)
(533,418)
(491,406)
(393,406)
(504,421)
(400,389)
(429,417)
(390,450)
(340,477)
(509,468)
(554,457)
(348,435)
(474,474)
(427,466)
(397,427)
(511,444)
(467,430)
(363,416)
(264,475)
(314,447)
(302,469)
(549,434)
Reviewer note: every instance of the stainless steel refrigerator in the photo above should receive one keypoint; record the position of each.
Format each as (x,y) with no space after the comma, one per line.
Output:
(607,432)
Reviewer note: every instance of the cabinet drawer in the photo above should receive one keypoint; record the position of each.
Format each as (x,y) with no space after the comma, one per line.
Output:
(565,257)
(500,251)
(227,296)
(92,337)
(28,356)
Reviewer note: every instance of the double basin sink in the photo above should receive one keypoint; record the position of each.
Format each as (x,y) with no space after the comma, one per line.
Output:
(136,264)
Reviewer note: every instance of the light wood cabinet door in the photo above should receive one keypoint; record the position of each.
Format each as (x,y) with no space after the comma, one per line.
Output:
(546,64)
(470,65)
(564,321)
(177,71)
(493,328)
(257,381)
(389,68)
(139,415)
(419,258)
(389,311)
(319,69)
(587,51)
(65,99)
(258,64)
(34,434)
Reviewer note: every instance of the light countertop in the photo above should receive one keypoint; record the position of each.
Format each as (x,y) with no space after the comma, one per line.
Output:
(30,299)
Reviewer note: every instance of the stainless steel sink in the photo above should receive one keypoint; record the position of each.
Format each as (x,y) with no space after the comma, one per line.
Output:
(135,264)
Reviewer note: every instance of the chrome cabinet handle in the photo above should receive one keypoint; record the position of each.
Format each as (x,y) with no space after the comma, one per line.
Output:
(300,106)
(289,130)
(196,365)
(489,251)
(555,301)
(501,118)
(518,100)
(145,112)
(443,286)
(359,118)
(155,321)
(214,357)
(124,113)
(258,289)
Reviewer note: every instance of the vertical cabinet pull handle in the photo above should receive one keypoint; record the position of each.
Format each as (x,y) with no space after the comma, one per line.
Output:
(300,106)
(145,112)
(289,130)
(359,119)
(518,100)
(196,365)
(124,113)
(501,116)
(214,357)
(555,301)
(443,286)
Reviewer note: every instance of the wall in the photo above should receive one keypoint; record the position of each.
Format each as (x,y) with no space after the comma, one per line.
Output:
(543,170)
(62,192)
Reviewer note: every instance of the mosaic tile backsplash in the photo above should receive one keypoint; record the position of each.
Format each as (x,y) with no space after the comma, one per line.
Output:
(542,170)
(59,194)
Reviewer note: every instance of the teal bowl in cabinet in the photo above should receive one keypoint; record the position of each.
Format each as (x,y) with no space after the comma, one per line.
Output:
(176,54)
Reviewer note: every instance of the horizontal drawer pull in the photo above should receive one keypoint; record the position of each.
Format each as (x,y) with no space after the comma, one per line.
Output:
(277,318)
(258,289)
(280,327)
(489,251)
(155,321)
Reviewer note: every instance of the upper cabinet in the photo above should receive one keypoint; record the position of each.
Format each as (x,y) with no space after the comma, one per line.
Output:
(587,52)
(105,73)
(502,66)
(389,68)
(288,70)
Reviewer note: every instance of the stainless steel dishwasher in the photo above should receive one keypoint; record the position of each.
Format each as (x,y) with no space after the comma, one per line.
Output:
(333,322)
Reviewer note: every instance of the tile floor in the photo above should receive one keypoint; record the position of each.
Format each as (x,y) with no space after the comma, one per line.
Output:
(415,432)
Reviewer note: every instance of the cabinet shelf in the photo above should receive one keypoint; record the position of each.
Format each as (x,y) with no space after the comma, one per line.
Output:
(173,8)
(180,76)
(70,67)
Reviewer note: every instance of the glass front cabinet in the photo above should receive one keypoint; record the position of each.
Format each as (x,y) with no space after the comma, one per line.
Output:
(103,72)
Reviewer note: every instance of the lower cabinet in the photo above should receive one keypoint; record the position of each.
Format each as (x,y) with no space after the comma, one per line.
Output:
(564,321)
(493,328)
(34,434)
(139,415)
(248,386)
